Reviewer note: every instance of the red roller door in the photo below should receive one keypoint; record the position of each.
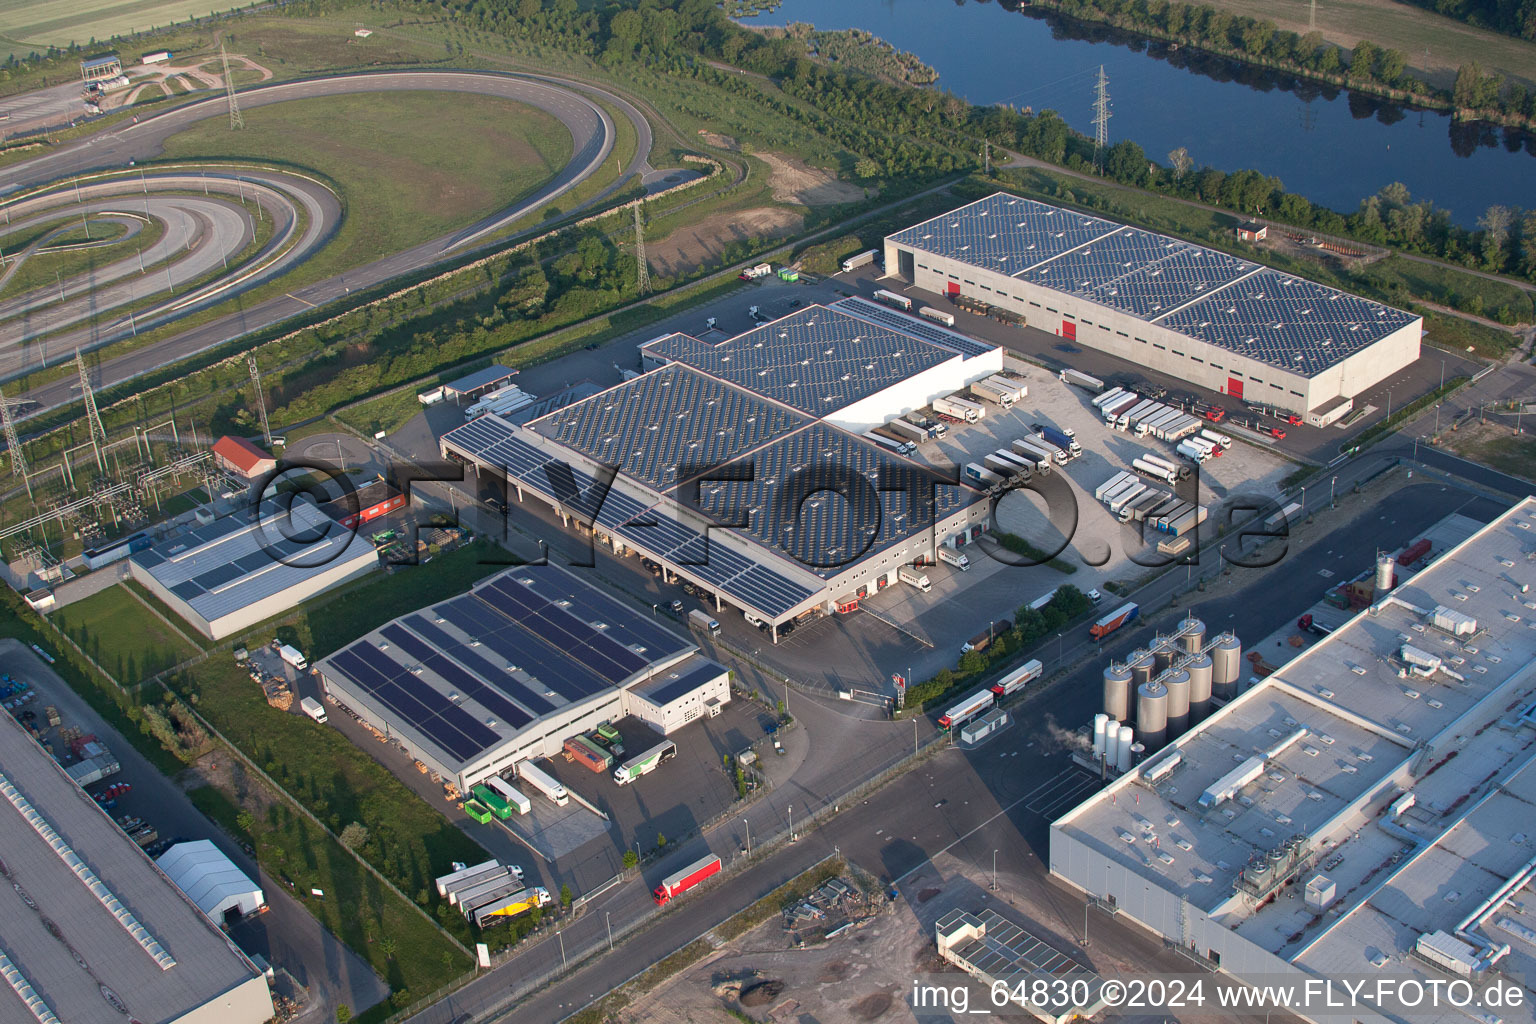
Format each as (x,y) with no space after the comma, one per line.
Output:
(952,288)
(1234,387)
(1069,330)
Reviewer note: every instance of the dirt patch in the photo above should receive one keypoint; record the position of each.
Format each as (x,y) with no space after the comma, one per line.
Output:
(717,140)
(794,182)
(834,972)
(871,1007)
(762,993)
(693,245)
(927,894)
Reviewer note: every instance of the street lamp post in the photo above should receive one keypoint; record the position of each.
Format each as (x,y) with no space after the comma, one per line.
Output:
(914,735)
(608,918)
(747,823)
(1331,484)
(1086,905)
(994,871)
(1303,499)
(791,822)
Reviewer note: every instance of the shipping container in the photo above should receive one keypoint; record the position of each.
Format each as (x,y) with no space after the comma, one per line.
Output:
(492,800)
(478,811)
(588,754)
(936,315)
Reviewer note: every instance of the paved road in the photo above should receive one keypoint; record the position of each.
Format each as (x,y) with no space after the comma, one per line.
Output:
(591,129)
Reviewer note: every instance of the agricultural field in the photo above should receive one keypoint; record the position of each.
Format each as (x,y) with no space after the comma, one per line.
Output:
(125,638)
(27,25)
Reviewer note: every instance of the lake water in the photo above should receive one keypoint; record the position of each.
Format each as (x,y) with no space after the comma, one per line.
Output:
(1334,147)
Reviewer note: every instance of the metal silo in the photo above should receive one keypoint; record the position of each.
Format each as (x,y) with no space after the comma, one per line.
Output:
(1385,573)
(1152,715)
(1117,692)
(1138,753)
(1226,666)
(1177,683)
(1123,748)
(1199,669)
(1100,724)
(1191,635)
(1111,743)
(1140,663)
(1163,649)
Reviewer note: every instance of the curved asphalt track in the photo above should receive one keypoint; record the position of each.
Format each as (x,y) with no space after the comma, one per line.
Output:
(592,133)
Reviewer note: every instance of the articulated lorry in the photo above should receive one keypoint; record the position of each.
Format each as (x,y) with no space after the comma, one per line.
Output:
(959,409)
(981,476)
(544,782)
(679,882)
(1082,380)
(1062,439)
(644,763)
(1121,616)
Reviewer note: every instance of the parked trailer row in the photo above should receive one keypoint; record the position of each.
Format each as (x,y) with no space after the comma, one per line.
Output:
(1037,456)
(1102,399)
(508,906)
(884,440)
(983,476)
(1109,485)
(1137,508)
(1158,460)
(1018,389)
(1009,464)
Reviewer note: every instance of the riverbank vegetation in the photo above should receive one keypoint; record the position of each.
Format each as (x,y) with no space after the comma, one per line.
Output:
(858,50)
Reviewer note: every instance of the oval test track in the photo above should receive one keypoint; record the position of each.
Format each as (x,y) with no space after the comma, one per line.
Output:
(592,134)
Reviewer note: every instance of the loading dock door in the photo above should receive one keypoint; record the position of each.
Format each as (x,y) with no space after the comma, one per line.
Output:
(952,288)
(1234,387)
(1069,330)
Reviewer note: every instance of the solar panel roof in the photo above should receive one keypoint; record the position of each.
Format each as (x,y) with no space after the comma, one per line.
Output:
(1288,322)
(659,427)
(480,378)
(1004,233)
(829,499)
(667,686)
(1243,307)
(925,329)
(817,359)
(244,558)
(1141,273)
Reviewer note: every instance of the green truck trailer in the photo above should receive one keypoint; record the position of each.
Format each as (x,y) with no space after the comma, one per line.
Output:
(492,800)
(475,809)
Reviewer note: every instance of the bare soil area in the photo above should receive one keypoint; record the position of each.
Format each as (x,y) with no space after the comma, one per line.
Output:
(795,182)
(695,244)
(1494,443)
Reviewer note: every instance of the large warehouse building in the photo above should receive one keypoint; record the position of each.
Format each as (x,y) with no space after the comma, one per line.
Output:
(475,685)
(734,464)
(249,566)
(91,932)
(1215,320)
(1365,810)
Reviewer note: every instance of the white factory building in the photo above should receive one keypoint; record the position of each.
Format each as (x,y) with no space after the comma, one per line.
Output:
(1220,322)
(1364,810)
(476,685)
(235,572)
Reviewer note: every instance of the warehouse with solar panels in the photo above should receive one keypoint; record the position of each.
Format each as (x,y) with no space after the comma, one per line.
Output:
(735,464)
(477,684)
(249,566)
(1215,320)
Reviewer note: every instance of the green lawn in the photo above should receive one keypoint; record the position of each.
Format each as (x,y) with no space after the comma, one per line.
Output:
(409,165)
(122,635)
(45,268)
(45,23)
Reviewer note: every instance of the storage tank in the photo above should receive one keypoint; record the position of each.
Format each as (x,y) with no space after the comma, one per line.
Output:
(1111,742)
(1192,635)
(1100,723)
(1117,692)
(1177,683)
(1385,573)
(1226,666)
(1123,748)
(1138,753)
(1140,663)
(1162,655)
(1152,715)
(1199,669)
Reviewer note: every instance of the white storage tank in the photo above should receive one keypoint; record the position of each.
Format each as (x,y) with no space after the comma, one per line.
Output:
(1123,749)
(1226,666)
(1100,724)
(1111,742)
(1386,570)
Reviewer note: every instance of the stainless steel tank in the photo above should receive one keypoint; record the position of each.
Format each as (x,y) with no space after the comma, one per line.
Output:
(1191,635)
(1123,748)
(1141,666)
(1177,684)
(1226,666)
(1199,669)
(1100,725)
(1162,654)
(1152,715)
(1386,573)
(1117,692)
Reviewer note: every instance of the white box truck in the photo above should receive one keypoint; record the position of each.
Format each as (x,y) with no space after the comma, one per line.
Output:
(313,708)
(293,656)
(949,556)
(914,577)
(699,619)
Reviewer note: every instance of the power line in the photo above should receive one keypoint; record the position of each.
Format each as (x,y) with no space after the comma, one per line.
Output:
(642,268)
(92,416)
(261,398)
(235,120)
(13,443)
(1100,116)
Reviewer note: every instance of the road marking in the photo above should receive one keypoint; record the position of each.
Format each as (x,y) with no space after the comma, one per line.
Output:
(295,298)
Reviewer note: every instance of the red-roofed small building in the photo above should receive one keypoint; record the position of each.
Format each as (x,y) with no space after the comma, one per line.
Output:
(242,458)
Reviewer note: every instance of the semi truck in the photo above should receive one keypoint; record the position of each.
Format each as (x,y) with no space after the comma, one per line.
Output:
(893,300)
(645,763)
(1019,678)
(1082,380)
(1061,439)
(938,316)
(1155,471)
(967,709)
(468,879)
(679,882)
(511,794)
(1221,441)
(914,577)
(1023,468)
(1008,385)
(1192,452)
(293,656)
(1121,616)
(1058,453)
(509,906)
(997,396)
(447,882)
(1034,451)
(1158,460)
(545,783)
(982,476)
(583,750)
(999,465)
(884,440)
(933,427)
(862,259)
(700,619)
(958,409)
(949,556)
(1100,400)
(314,709)
(911,431)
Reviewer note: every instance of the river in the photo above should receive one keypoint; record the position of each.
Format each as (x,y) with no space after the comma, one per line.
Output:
(1333,146)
